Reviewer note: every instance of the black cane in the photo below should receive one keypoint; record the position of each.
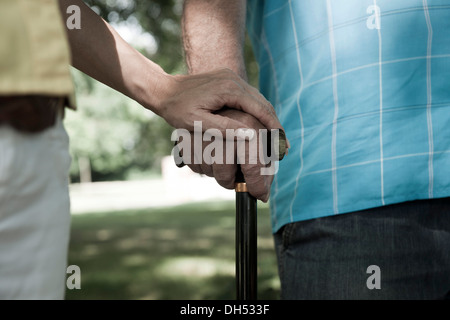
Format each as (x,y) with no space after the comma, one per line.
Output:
(246,243)
(246,224)
(246,229)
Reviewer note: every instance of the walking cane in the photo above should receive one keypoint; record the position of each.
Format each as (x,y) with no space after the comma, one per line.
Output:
(246,224)
(246,241)
(246,228)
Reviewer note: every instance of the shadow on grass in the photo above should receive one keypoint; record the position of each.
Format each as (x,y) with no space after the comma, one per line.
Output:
(182,252)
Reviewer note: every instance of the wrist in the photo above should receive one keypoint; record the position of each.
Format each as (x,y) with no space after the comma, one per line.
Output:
(152,88)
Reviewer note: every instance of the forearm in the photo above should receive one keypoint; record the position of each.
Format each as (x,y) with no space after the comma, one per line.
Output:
(99,51)
(214,34)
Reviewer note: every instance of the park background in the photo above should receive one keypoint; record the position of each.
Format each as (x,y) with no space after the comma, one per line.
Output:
(141,227)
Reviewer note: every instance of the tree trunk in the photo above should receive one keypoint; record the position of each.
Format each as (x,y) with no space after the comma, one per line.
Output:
(84,165)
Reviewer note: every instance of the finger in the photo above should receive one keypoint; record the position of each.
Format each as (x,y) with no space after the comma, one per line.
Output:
(237,130)
(207,169)
(196,168)
(260,109)
(239,95)
(266,109)
(258,185)
(245,86)
(225,174)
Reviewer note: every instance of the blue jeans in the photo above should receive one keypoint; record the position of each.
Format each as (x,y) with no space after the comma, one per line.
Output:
(399,251)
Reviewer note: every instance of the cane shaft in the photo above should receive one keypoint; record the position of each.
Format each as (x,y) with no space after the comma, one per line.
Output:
(246,244)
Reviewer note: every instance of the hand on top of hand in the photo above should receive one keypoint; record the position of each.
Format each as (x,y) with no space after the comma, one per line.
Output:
(213,158)
(199,98)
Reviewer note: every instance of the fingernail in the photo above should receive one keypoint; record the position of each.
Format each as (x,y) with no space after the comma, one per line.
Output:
(283,144)
(287,145)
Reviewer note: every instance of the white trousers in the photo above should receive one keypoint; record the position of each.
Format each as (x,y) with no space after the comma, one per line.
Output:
(34,213)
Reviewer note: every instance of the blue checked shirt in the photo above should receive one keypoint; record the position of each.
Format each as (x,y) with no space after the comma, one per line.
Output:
(362,88)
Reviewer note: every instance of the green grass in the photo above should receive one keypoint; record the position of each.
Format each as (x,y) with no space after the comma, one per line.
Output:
(181,252)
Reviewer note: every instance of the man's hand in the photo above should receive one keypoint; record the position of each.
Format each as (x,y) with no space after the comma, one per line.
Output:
(224,171)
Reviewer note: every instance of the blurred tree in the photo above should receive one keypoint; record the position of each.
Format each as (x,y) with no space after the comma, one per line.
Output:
(111,135)
(159,18)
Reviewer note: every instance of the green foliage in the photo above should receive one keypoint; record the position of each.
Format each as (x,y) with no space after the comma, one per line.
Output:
(113,132)
(160,18)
